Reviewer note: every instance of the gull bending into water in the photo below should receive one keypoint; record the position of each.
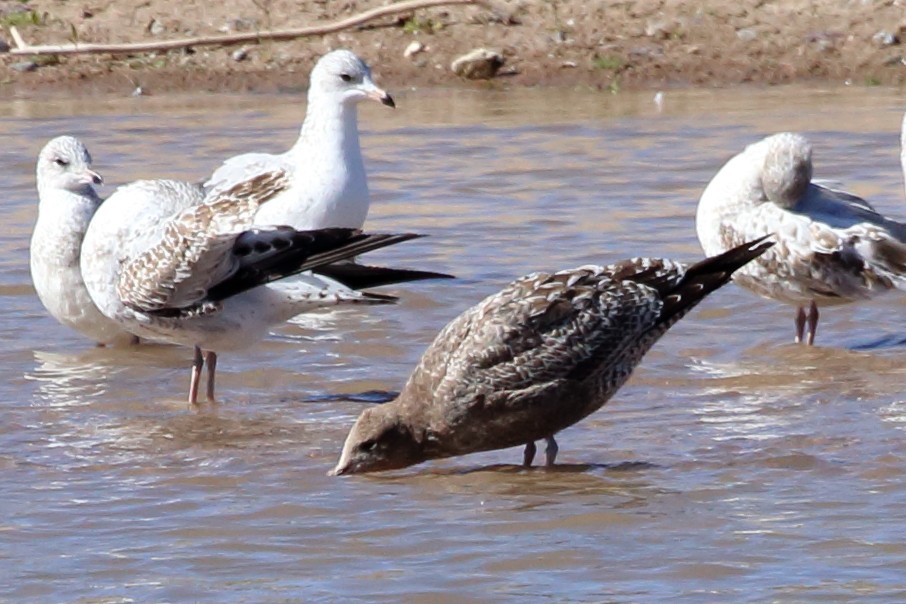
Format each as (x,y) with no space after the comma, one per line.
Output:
(533,359)
(832,247)
(328,186)
(173,269)
(67,202)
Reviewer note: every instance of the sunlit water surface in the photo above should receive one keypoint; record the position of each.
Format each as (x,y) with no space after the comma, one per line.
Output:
(734,466)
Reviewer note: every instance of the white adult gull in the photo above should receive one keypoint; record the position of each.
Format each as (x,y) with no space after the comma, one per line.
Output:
(171,269)
(67,202)
(328,186)
(832,247)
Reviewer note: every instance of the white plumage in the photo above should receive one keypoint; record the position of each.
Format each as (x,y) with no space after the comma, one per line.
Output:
(67,203)
(832,247)
(328,186)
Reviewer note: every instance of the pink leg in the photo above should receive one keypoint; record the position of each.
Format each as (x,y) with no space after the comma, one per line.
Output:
(197,365)
(800,324)
(812,322)
(210,358)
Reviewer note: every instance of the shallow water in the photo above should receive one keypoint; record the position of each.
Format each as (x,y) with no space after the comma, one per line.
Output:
(734,466)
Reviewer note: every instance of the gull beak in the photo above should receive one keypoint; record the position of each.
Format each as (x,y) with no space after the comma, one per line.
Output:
(90,177)
(377,94)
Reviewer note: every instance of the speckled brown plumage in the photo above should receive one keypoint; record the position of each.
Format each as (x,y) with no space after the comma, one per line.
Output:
(527,362)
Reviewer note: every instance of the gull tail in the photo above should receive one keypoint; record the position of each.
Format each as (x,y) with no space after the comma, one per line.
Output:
(266,255)
(706,276)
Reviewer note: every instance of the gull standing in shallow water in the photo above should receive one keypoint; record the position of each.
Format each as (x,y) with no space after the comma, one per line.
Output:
(832,247)
(328,186)
(532,360)
(173,269)
(67,202)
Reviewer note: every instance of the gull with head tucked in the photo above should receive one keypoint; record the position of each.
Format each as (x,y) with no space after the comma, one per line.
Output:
(832,247)
(67,202)
(533,359)
(328,186)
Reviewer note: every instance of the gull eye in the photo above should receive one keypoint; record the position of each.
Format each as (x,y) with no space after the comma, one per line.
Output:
(345,77)
(61,162)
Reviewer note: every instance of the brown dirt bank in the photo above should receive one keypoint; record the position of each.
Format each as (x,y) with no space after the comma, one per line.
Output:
(602,44)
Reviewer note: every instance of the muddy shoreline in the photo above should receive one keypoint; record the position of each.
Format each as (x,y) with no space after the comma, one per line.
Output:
(561,43)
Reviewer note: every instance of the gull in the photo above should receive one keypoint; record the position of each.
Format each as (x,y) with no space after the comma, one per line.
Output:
(832,247)
(328,185)
(174,269)
(533,359)
(67,202)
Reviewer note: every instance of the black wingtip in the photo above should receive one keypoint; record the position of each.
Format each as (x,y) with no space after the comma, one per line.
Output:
(708,275)
(734,258)
(363,276)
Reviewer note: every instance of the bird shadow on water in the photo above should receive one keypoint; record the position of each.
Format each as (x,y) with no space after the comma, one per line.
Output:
(375,397)
(885,342)
(560,468)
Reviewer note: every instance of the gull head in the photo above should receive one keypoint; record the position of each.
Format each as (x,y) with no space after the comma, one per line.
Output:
(378,441)
(64,163)
(343,76)
(787,170)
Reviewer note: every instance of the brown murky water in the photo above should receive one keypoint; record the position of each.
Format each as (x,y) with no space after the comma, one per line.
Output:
(733,467)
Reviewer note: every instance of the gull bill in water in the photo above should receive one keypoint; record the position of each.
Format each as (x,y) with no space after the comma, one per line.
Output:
(533,359)
(170,268)
(327,183)
(67,201)
(832,247)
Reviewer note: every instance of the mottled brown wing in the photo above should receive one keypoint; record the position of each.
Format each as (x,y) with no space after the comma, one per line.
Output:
(539,330)
(193,251)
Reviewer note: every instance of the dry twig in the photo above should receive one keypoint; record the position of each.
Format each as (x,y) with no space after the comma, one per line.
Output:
(23,48)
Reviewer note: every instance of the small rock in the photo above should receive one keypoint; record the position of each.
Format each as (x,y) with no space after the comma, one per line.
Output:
(240,54)
(413,49)
(479,64)
(156,28)
(139,91)
(24,66)
(658,28)
(4,47)
(885,38)
(238,25)
(569,64)
(746,34)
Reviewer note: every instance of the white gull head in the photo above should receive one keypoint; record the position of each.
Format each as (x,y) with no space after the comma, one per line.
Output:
(64,163)
(341,75)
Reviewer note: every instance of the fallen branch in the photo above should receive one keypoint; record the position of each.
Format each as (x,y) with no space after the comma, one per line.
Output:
(23,48)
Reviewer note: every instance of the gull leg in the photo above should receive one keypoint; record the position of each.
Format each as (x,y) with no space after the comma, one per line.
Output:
(800,324)
(813,316)
(210,358)
(529,454)
(550,453)
(197,365)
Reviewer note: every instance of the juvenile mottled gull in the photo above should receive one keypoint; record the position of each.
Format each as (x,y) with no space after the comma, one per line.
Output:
(67,202)
(532,360)
(196,274)
(832,247)
(328,186)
